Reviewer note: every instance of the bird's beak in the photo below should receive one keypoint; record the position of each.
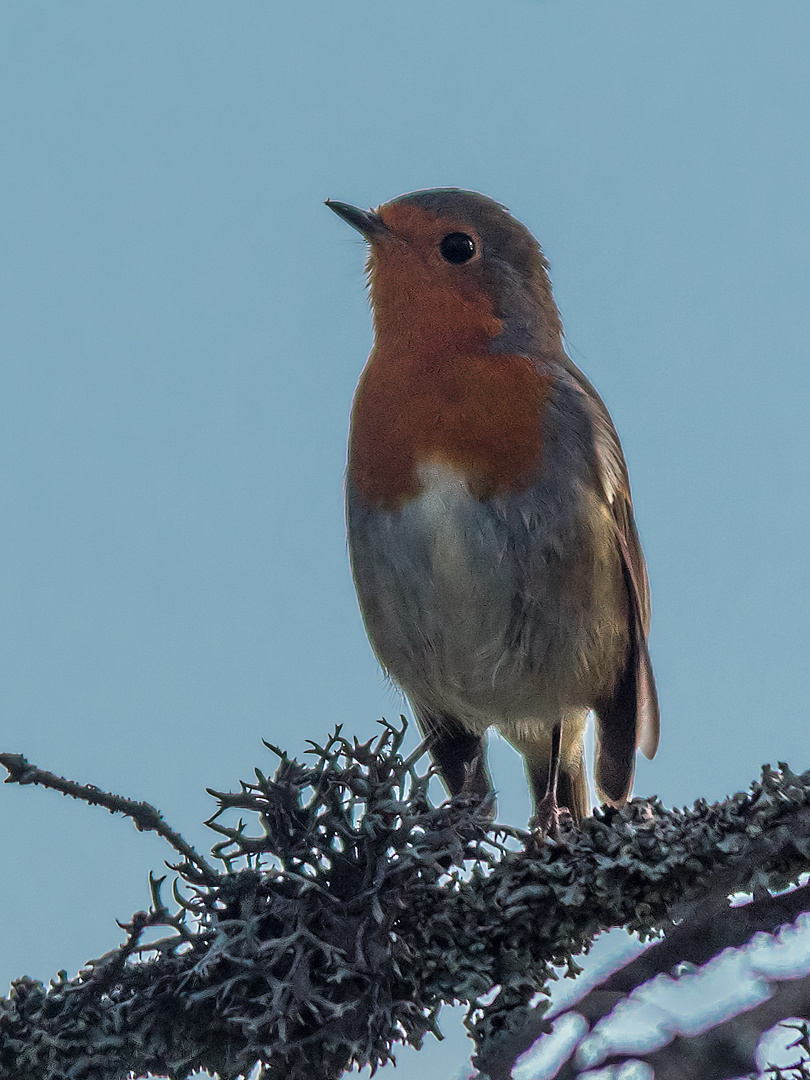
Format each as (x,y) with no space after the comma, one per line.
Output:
(370,225)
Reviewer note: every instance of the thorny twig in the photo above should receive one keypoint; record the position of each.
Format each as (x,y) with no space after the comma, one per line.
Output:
(146,817)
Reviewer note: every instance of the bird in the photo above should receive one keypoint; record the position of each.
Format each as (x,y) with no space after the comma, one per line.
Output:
(490,524)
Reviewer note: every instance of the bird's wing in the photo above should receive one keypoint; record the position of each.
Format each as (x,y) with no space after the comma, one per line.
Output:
(635,699)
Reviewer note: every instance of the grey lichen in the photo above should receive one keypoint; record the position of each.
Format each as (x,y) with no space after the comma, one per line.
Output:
(349,906)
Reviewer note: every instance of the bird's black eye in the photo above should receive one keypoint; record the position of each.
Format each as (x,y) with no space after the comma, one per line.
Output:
(457,247)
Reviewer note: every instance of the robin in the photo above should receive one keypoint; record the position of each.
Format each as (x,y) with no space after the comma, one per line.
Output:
(491,531)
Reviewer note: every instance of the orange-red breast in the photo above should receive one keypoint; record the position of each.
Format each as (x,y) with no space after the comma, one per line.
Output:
(491,530)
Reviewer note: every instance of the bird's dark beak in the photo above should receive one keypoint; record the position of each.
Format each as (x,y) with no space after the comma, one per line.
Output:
(370,225)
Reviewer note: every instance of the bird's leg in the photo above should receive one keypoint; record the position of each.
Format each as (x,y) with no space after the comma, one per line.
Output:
(478,785)
(461,758)
(547,811)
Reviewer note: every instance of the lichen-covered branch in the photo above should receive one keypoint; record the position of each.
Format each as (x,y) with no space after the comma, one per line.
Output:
(349,907)
(696,940)
(640,868)
(727,1049)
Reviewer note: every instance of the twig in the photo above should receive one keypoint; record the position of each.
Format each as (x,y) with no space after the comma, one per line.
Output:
(146,817)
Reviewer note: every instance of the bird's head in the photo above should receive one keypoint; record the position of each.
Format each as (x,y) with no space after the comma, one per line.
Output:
(451,271)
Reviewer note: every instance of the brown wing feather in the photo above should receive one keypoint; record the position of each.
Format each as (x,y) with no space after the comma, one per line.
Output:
(630,717)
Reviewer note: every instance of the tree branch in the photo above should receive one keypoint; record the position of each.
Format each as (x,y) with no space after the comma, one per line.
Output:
(728,1049)
(424,906)
(694,941)
(146,817)
(740,845)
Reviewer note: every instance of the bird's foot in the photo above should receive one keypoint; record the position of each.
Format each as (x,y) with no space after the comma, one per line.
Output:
(480,794)
(550,819)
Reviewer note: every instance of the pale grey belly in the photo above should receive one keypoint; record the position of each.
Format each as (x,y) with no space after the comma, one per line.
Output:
(501,612)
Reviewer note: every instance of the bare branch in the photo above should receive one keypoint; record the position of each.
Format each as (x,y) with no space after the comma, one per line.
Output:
(146,817)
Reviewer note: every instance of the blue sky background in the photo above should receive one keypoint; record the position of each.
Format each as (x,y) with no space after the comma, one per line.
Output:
(182,324)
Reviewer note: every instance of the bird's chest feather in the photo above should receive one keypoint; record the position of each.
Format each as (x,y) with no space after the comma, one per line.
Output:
(462,549)
(435,443)
(435,580)
(478,416)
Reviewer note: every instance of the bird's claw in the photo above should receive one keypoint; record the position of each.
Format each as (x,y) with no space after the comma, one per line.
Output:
(550,819)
